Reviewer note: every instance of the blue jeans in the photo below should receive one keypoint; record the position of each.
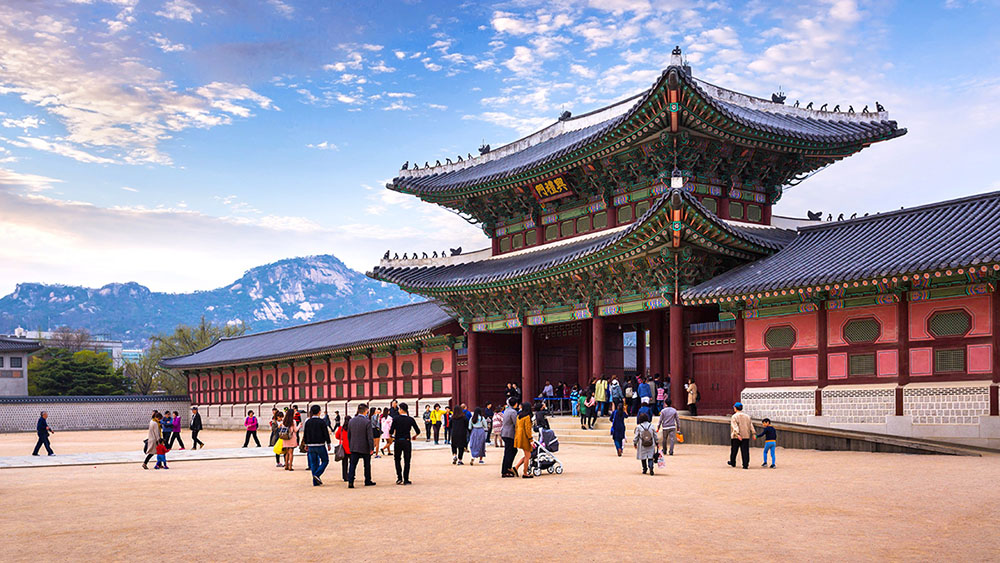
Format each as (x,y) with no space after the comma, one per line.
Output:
(319,458)
(575,405)
(769,446)
(618,443)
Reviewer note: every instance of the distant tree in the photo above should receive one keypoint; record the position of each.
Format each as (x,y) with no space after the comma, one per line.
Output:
(59,371)
(72,339)
(183,341)
(144,373)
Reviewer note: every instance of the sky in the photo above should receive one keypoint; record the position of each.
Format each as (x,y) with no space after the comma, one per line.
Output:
(178,143)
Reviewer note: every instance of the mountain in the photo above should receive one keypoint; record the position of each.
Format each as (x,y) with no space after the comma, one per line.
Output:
(288,292)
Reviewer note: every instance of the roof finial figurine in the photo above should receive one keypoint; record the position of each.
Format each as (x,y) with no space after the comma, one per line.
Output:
(836,108)
(469,156)
(778,97)
(815,215)
(406,165)
(809,105)
(565,115)
(460,158)
(427,164)
(850,109)
(879,107)
(395,256)
(484,148)
(424,255)
(435,255)
(386,257)
(864,110)
(829,217)
(676,51)
(448,160)
(823,107)
(456,251)
(405,256)
(437,163)
(854,215)
(840,217)
(796,103)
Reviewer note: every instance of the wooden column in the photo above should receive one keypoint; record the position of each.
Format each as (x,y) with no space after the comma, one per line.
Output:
(656,343)
(527,362)
(583,354)
(677,378)
(739,365)
(596,346)
(821,364)
(473,377)
(640,348)
(372,388)
(348,379)
(419,372)
(995,388)
(903,347)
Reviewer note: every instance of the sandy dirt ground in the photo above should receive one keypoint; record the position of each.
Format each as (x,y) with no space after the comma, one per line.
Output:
(85,441)
(816,506)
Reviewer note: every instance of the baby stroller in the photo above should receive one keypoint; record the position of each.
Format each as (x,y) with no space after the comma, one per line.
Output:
(542,457)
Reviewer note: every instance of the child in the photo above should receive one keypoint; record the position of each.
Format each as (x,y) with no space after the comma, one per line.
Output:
(161,455)
(646,443)
(770,436)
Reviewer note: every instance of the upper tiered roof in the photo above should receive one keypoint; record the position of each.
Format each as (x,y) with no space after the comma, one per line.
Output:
(819,136)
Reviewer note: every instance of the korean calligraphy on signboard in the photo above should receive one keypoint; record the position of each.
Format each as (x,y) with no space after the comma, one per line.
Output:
(551,188)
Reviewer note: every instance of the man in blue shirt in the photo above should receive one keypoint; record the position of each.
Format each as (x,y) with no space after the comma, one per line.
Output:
(43,434)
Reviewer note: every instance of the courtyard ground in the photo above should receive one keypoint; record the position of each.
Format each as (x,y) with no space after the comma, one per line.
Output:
(826,506)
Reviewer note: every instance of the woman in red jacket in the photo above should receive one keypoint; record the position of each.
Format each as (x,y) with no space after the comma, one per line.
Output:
(341,436)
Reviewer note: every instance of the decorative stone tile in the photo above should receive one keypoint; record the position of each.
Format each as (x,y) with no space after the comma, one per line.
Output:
(946,405)
(858,406)
(88,413)
(779,405)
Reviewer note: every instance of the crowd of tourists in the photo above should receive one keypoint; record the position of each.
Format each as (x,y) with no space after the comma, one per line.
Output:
(594,400)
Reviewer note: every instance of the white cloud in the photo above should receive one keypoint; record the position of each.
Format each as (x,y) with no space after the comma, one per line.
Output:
(354,60)
(166,45)
(179,10)
(523,61)
(430,65)
(128,189)
(27,182)
(400,94)
(437,106)
(399,54)
(284,9)
(26,122)
(324,146)
(582,71)
(61,149)
(381,67)
(397,105)
(523,125)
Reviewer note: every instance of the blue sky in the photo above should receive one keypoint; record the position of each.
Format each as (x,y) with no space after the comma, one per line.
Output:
(179,142)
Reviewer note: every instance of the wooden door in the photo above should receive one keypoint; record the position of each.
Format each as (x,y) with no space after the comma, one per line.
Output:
(714,374)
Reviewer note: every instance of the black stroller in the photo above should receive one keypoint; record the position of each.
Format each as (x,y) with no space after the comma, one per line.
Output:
(542,457)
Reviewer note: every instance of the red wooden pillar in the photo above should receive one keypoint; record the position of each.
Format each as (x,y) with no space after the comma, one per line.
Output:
(903,362)
(246,384)
(528,390)
(372,388)
(583,354)
(822,364)
(640,348)
(348,378)
(473,375)
(739,365)
(677,355)
(656,342)
(995,388)
(596,347)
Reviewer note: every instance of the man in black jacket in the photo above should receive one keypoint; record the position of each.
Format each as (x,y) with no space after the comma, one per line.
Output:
(195,429)
(362,442)
(43,434)
(316,437)
(402,423)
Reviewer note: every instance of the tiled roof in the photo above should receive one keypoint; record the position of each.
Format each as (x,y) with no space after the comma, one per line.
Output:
(532,260)
(951,234)
(550,143)
(365,329)
(10,344)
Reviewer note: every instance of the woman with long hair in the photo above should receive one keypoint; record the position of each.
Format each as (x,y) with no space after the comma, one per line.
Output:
(289,438)
(618,425)
(459,436)
(376,420)
(155,435)
(341,436)
(522,438)
(477,439)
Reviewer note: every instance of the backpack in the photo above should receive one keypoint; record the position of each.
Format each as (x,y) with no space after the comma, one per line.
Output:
(284,433)
(646,437)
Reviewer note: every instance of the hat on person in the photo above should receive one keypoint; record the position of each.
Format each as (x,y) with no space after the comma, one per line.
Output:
(738,405)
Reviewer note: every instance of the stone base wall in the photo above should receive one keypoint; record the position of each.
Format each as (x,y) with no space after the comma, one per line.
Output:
(859,405)
(231,417)
(88,413)
(790,404)
(958,404)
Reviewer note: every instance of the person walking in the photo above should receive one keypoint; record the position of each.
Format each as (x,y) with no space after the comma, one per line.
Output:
(196,427)
(161,455)
(362,441)
(427,423)
(770,436)
(153,437)
(251,425)
(336,420)
(175,435)
(591,405)
(376,422)
(387,428)
(740,432)
(668,426)
(459,436)
(615,390)
(541,418)
(495,428)
(645,443)
(289,434)
(446,420)
(618,426)
(400,428)
(478,428)
(167,426)
(437,415)
(316,437)
(508,426)
(692,390)
(601,395)
(522,439)
(488,415)
(274,424)
(43,430)
(327,421)
(574,399)
(341,435)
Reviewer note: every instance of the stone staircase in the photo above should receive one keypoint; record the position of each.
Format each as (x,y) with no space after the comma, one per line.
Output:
(567,428)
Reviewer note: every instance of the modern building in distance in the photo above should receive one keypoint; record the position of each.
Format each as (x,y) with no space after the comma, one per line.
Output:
(14,354)
(654,215)
(95,342)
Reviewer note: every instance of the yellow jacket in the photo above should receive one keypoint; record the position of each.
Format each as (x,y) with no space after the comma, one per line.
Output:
(522,433)
(436,415)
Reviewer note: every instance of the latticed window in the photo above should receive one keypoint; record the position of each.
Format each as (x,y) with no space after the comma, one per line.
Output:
(302,377)
(641,208)
(319,392)
(359,389)
(338,374)
(407,368)
(437,365)
(862,330)
(946,361)
(625,214)
(407,387)
(583,224)
(383,389)
(382,370)
(949,323)
(754,213)
(270,380)
(319,375)
(504,244)
(710,204)
(600,220)
(437,386)
(735,210)
(340,391)
(779,337)
(779,368)
(359,372)
(518,241)
(552,232)
(861,364)
(566,229)
(530,237)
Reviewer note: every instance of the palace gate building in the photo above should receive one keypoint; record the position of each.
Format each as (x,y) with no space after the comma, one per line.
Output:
(653,216)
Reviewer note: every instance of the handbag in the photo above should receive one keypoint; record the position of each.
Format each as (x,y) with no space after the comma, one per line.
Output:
(680,437)
(338,453)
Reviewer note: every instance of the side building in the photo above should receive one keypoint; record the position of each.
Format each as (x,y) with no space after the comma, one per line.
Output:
(14,355)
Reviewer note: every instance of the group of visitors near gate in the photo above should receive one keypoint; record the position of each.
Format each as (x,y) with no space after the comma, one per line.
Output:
(632,393)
